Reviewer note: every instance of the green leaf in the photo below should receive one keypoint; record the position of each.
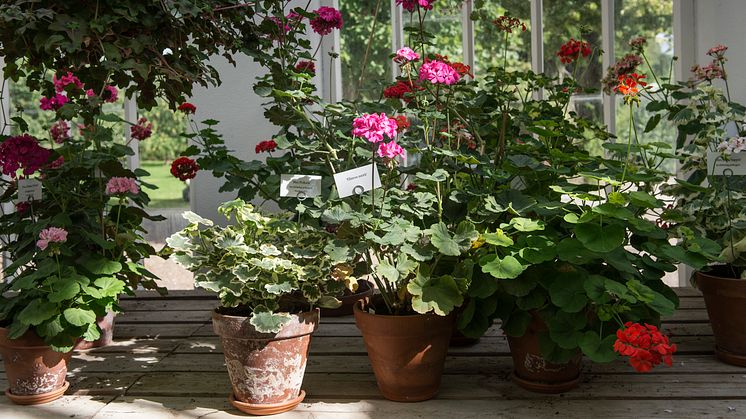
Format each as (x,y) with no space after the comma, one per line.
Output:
(110,286)
(498,238)
(37,311)
(644,200)
(662,305)
(268,322)
(525,224)
(506,268)
(612,210)
(565,329)
(79,317)
(573,251)
(652,122)
(63,290)
(439,294)
(596,349)
(279,289)
(387,271)
(92,332)
(517,323)
(99,265)
(599,238)
(567,292)
(454,245)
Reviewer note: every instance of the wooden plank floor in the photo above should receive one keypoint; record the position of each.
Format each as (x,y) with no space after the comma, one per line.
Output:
(167,363)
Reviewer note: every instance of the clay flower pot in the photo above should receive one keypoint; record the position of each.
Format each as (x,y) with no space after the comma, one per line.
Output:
(36,373)
(106,324)
(364,291)
(407,353)
(266,369)
(534,373)
(725,299)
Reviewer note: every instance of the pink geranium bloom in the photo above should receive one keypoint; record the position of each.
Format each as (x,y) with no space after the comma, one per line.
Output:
(121,185)
(406,54)
(111,94)
(142,130)
(390,150)
(51,235)
(53,103)
(60,131)
(373,127)
(411,5)
(438,72)
(62,82)
(327,18)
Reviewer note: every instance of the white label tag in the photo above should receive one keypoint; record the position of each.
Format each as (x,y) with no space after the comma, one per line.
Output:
(300,186)
(29,190)
(717,165)
(357,181)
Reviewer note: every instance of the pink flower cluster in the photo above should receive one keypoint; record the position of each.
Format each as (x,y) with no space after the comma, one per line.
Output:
(374,126)
(305,66)
(121,185)
(60,131)
(405,55)
(390,150)
(62,82)
(638,44)
(51,235)
(439,72)
(22,152)
(110,94)
(732,145)
(327,19)
(717,52)
(142,130)
(411,5)
(709,72)
(53,103)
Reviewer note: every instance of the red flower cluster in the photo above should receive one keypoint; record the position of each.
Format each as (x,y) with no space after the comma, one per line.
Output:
(306,67)
(398,90)
(268,146)
(22,152)
(402,123)
(572,50)
(411,5)
(628,85)
(628,64)
(142,130)
(184,168)
(508,23)
(462,69)
(645,346)
(638,44)
(187,108)
(327,19)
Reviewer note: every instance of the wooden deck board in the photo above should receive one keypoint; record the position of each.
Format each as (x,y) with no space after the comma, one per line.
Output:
(166,362)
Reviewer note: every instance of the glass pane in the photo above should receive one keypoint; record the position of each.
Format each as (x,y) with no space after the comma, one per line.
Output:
(489,43)
(444,23)
(652,20)
(25,102)
(359,16)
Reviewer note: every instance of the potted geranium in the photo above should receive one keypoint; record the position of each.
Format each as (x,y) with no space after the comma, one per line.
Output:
(76,237)
(710,201)
(270,275)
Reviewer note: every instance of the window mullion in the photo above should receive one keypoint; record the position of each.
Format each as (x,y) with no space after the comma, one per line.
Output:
(131,114)
(397,36)
(467,34)
(537,42)
(608,35)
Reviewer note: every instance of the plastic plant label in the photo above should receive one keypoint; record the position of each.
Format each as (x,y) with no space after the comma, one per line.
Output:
(357,181)
(29,190)
(300,186)
(717,165)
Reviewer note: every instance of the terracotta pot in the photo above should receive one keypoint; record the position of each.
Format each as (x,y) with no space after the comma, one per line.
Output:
(534,373)
(364,291)
(106,324)
(265,369)
(725,299)
(407,353)
(36,374)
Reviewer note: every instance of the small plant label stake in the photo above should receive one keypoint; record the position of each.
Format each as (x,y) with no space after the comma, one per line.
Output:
(357,181)
(717,165)
(29,190)
(300,186)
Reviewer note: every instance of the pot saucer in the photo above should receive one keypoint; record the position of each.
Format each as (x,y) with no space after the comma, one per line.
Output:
(37,398)
(546,388)
(260,409)
(730,357)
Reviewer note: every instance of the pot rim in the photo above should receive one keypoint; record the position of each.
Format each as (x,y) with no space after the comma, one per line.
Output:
(315,310)
(723,278)
(357,308)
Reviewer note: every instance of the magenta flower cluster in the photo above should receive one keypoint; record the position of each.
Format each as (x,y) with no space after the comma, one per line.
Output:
(142,130)
(439,72)
(62,82)
(327,19)
(406,54)
(411,5)
(22,152)
(390,150)
(373,127)
(51,235)
(60,131)
(121,185)
(53,103)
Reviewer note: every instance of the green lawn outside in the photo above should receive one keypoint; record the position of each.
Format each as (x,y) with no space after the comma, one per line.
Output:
(170,189)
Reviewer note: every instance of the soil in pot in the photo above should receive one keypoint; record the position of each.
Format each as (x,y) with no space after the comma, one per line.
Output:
(534,373)
(266,369)
(106,325)
(36,373)
(725,298)
(364,291)
(407,353)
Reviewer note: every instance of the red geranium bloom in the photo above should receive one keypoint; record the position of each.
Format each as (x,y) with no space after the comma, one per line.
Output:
(306,67)
(645,346)
(628,84)
(398,90)
(184,168)
(402,123)
(462,69)
(572,50)
(268,146)
(508,23)
(187,108)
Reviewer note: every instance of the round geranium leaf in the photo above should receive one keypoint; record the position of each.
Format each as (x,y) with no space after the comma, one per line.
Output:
(598,238)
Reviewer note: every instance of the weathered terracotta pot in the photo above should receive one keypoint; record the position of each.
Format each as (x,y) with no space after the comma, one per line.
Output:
(266,369)
(36,374)
(364,291)
(106,324)
(725,299)
(534,373)
(407,353)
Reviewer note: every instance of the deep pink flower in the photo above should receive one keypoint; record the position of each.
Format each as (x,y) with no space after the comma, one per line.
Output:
(110,94)
(90,93)
(53,103)
(373,127)
(327,18)
(306,67)
(436,71)
(22,152)
(51,235)
(406,54)
(142,130)
(62,82)
(390,150)
(60,131)
(411,5)
(121,185)
(282,27)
